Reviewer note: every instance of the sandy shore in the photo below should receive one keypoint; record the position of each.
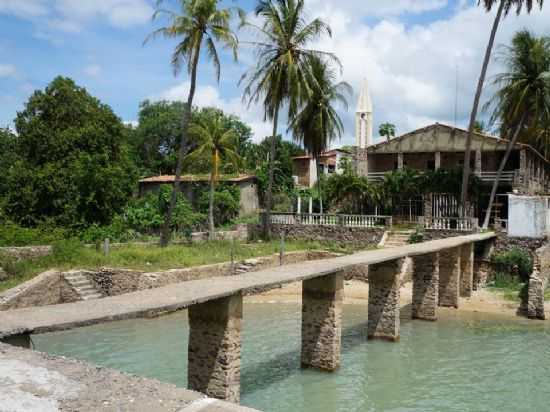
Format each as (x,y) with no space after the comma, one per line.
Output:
(356,293)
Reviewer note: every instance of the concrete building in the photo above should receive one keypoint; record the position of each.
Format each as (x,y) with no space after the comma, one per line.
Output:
(439,146)
(305,170)
(247,184)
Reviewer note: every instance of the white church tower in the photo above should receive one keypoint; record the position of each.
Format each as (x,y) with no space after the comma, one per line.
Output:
(364,118)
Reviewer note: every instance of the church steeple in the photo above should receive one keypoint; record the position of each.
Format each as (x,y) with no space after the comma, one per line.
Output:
(363,117)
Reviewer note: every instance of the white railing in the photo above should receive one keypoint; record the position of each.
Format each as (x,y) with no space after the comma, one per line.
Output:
(507,176)
(316,219)
(487,177)
(452,223)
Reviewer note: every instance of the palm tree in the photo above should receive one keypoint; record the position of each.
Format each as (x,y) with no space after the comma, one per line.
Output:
(387,130)
(280,75)
(317,123)
(522,102)
(218,144)
(198,23)
(504,7)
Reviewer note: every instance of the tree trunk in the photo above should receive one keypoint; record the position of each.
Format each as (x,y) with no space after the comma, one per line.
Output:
(269,194)
(211,204)
(473,115)
(509,148)
(319,186)
(165,232)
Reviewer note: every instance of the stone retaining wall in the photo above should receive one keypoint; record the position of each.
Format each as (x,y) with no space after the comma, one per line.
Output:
(352,235)
(26,252)
(48,288)
(538,282)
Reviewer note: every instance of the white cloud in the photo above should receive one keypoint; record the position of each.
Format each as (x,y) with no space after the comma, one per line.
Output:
(377,8)
(93,70)
(7,70)
(412,68)
(73,15)
(209,96)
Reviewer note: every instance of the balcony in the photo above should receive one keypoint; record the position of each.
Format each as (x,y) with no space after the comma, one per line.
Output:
(507,176)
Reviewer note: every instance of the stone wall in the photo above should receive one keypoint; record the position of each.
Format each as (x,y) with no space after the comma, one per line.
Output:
(26,252)
(48,288)
(537,283)
(352,235)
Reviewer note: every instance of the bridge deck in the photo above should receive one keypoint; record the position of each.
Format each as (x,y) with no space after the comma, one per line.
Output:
(182,295)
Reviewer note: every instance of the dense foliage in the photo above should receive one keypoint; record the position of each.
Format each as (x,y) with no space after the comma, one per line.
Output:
(515,263)
(70,165)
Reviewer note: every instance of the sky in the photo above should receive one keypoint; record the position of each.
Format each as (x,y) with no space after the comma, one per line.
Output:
(411,52)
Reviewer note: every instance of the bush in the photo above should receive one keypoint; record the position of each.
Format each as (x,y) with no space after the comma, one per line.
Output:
(516,263)
(417,236)
(12,234)
(226,204)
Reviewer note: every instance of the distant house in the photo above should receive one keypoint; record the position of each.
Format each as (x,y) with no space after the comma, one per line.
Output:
(305,170)
(247,184)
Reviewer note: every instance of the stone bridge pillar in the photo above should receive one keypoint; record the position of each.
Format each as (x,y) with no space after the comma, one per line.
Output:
(214,365)
(425,286)
(384,284)
(467,270)
(449,277)
(322,299)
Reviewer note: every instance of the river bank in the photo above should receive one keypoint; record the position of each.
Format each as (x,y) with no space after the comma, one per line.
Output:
(357,293)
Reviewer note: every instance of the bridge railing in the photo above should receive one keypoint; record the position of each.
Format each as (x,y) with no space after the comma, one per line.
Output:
(317,219)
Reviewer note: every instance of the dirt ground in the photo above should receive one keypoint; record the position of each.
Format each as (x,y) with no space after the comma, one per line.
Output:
(357,292)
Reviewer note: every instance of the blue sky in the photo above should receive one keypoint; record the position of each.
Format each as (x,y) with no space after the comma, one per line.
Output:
(407,49)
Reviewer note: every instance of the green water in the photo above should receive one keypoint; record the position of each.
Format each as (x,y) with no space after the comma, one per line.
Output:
(457,364)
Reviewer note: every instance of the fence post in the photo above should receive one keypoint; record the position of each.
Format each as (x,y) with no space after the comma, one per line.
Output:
(282,249)
(106,247)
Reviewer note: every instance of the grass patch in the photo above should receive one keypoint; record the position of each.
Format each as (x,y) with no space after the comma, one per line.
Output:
(68,255)
(509,287)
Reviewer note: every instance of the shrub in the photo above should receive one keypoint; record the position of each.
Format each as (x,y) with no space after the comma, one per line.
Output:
(417,236)
(514,263)
(12,234)
(226,204)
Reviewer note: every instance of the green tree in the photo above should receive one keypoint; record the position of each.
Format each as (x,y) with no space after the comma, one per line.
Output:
(387,130)
(504,7)
(8,156)
(198,23)
(72,165)
(280,75)
(522,102)
(317,124)
(216,142)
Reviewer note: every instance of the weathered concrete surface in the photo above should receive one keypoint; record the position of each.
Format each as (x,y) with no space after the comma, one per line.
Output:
(384,300)
(182,295)
(537,283)
(322,300)
(449,277)
(215,348)
(35,382)
(425,287)
(466,270)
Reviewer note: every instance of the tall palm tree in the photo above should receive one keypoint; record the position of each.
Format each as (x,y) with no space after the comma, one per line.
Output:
(522,102)
(280,75)
(317,123)
(218,144)
(504,7)
(197,24)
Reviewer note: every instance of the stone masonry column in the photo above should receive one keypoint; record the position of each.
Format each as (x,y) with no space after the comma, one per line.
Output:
(400,161)
(478,167)
(449,277)
(437,160)
(384,284)
(425,286)
(214,351)
(467,270)
(322,299)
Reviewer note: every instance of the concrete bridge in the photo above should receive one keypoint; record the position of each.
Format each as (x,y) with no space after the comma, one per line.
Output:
(443,271)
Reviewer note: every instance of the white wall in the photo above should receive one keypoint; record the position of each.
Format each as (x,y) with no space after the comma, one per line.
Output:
(528,216)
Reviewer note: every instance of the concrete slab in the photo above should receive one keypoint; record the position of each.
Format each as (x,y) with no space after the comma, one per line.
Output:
(31,381)
(182,295)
